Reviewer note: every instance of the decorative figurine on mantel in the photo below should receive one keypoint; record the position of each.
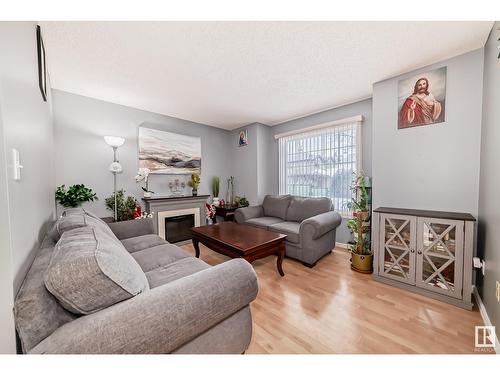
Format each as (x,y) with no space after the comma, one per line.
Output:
(176,187)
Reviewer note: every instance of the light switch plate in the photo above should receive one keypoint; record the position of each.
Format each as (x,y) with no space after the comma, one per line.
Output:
(16,165)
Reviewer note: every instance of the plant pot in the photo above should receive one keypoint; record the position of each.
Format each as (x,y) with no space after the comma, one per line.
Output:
(362,263)
(194,192)
(148,194)
(215,202)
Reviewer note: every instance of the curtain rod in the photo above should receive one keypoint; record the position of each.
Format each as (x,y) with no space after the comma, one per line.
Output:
(358,118)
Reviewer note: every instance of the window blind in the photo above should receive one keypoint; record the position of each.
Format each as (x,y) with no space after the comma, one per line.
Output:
(321,163)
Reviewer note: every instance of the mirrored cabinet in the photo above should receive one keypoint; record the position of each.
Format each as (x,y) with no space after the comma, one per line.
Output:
(428,252)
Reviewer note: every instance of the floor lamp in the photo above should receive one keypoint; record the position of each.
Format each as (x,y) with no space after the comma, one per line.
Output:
(115,167)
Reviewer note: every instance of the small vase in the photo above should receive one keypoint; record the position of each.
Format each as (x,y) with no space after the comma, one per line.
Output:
(210,221)
(215,201)
(148,194)
(195,192)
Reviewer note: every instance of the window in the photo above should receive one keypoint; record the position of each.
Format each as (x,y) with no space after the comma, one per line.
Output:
(320,162)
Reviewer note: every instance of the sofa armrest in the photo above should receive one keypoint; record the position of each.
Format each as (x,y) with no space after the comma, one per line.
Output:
(245,213)
(133,228)
(318,225)
(161,319)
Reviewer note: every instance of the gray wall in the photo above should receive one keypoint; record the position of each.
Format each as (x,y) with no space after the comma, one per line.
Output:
(436,166)
(359,108)
(252,165)
(7,338)
(489,186)
(244,163)
(26,122)
(82,156)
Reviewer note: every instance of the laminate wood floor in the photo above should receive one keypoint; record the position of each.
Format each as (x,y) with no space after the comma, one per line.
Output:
(331,309)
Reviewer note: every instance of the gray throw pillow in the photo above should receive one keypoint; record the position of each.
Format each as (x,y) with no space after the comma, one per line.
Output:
(302,208)
(77,218)
(276,205)
(89,271)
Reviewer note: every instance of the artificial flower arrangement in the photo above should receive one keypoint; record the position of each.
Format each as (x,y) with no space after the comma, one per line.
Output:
(142,175)
(139,214)
(210,211)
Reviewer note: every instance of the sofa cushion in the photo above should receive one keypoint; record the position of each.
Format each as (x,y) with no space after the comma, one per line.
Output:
(158,256)
(73,211)
(90,270)
(176,270)
(139,243)
(276,205)
(37,312)
(290,228)
(263,222)
(302,208)
(75,219)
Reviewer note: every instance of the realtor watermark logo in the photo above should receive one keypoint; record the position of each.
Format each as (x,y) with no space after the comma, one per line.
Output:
(485,338)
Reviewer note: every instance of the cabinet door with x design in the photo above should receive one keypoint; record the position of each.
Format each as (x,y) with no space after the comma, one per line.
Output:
(440,255)
(398,238)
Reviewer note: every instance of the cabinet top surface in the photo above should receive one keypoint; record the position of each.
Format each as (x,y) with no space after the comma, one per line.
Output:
(426,213)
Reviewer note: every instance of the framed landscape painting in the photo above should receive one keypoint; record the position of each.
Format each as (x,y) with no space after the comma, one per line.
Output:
(169,153)
(422,99)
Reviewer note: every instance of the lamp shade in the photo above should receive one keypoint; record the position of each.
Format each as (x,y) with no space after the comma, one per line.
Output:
(114,141)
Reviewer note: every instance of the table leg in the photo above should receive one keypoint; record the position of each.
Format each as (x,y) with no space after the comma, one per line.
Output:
(196,245)
(281,255)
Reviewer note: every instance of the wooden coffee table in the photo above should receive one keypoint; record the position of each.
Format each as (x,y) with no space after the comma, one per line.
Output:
(240,241)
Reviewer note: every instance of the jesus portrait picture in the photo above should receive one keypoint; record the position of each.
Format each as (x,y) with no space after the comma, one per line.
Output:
(422,99)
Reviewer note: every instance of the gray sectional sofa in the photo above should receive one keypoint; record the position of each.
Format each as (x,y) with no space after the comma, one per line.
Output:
(119,288)
(309,224)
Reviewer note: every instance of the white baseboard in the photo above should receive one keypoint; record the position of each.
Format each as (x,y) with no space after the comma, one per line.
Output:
(342,245)
(484,315)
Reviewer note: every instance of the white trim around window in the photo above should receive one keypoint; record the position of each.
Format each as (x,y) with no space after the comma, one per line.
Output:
(321,160)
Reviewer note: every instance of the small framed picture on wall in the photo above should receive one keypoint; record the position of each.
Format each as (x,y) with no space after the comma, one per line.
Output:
(42,69)
(243,138)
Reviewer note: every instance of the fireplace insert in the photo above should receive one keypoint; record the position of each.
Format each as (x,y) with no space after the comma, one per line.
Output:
(178,228)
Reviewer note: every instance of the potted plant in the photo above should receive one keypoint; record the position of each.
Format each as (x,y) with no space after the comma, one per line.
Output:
(242,201)
(194,182)
(215,190)
(142,175)
(359,225)
(126,206)
(75,195)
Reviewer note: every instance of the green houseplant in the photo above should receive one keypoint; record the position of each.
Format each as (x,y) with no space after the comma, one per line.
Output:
(359,226)
(75,195)
(215,190)
(242,201)
(125,205)
(194,182)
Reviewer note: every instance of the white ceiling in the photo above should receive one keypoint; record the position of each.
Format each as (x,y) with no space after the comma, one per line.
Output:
(229,74)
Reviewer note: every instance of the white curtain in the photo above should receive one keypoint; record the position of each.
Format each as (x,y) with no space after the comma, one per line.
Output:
(321,163)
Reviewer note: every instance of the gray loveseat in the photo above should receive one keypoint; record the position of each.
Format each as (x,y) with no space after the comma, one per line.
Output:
(309,224)
(122,289)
